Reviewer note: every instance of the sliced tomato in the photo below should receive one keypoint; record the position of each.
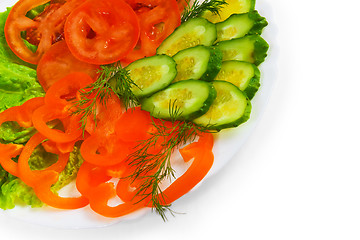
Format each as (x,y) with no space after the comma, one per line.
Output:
(158,19)
(43,31)
(102,32)
(182,4)
(58,62)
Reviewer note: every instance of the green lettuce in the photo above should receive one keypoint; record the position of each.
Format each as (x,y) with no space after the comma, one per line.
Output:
(18,81)
(70,172)
(13,191)
(18,84)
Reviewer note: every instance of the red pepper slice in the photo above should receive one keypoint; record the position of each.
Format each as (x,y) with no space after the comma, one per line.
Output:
(106,116)
(45,194)
(8,151)
(60,94)
(203,160)
(104,151)
(45,113)
(99,202)
(25,173)
(22,115)
(91,181)
(133,125)
(89,177)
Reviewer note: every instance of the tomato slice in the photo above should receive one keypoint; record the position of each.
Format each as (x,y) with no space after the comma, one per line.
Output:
(158,19)
(47,28)
(102,32)
(58,62)
(182,4)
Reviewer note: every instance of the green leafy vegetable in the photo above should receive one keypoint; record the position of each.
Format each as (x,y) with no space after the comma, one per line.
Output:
(11,132)
(13,191)
(6,55)
(17,79)
(71,169)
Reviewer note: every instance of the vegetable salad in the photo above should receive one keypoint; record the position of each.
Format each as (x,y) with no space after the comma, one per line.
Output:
(103,93)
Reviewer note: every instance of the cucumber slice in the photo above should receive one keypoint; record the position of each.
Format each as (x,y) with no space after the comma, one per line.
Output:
(196,31)
(239,25)
(230,108)
(191,97)
(233,6)
(251,48)
(246,76)
(198,62)
(151,74)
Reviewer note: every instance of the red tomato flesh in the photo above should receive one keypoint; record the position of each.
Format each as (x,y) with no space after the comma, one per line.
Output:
(102,32)
(58,62)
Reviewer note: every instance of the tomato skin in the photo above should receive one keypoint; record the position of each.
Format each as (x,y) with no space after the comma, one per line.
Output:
(182,4)
(47,28)
(58,62)
(102,32)
(158,19)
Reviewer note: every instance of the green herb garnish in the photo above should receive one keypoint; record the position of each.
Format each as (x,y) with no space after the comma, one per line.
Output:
(154,168)
(196,9)
(113,79)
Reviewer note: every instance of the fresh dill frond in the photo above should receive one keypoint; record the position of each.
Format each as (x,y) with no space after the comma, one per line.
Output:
(123,88)
(196,9)
(153,167)
(113,79)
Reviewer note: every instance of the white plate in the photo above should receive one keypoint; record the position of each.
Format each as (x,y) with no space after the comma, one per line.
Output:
(227,143)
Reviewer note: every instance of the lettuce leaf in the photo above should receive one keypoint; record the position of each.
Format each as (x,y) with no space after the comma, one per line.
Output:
(18,81)
(13,191)
(69,173)
(6,55)
(18,84)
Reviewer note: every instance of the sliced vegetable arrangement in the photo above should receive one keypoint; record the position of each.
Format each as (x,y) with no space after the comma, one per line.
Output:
(125,85)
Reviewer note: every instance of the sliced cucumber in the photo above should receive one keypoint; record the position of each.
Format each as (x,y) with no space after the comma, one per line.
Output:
(239,25)
(251,48)
(230,108)
(192,98)
(151,74)
(246,76)
(233,6)
(196,31)
(198,62)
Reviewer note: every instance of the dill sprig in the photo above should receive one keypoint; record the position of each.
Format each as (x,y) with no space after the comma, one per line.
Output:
(154,168)
(113,79)
(196,9)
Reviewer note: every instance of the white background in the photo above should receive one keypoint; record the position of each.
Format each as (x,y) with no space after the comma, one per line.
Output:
(298,175)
